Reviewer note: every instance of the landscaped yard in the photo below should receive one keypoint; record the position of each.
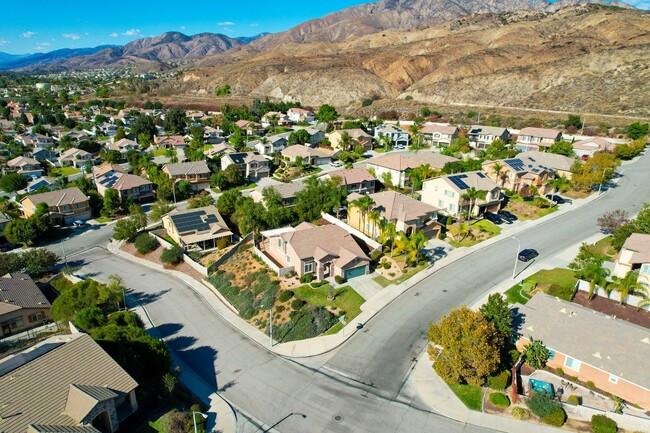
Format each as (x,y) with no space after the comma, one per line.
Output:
(470,395)
(526,210)
(289,173)
(65,171)
(345,299)
(604,249)
(385,282)
(471,233)
(558,282)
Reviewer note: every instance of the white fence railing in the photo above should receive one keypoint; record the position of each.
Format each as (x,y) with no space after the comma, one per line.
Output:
(632,300)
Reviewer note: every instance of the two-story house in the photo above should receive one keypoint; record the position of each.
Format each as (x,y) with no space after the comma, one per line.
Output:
(139,189)
(536,138)
(355,137)
(439,135)
(357,180)
(396,166)
(296,115)
(635,256)
(251,165)
(22,304)
(176,142)
(268,145)
(395,135)
(75,157)
(585,149)
(25,166)
(199,228)
(308,155)
(480,137)
(65,205)
(519,174)
(274,117)
(287,192)
(196,173)
(123,145)
(448,193)
(559,164)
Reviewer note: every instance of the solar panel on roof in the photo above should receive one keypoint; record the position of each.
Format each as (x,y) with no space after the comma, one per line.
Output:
(517,164)
(458,181)
(481,175)
(192,221)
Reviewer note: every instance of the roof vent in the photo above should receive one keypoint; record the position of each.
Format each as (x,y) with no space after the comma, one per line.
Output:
(597,355)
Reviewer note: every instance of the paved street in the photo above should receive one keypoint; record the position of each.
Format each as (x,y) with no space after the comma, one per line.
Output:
(270,387)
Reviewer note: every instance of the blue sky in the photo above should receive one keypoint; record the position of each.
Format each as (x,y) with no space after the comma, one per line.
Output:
(44,25)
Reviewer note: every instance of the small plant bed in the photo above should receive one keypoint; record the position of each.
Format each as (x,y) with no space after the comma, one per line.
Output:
(499,400)
(470,395)
(103,220)
(527,210)
(557,282)
(604,249)
(289,173)
(471,233)
(407,273)
(389,268)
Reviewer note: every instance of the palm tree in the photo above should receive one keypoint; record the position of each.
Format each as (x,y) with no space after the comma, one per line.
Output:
(472,195)
(374,216)
(364,204)
(627,285)
(497,169)
(596,275)
(643,302)
(402,244)
(388,233)
(560,183)
(418,241)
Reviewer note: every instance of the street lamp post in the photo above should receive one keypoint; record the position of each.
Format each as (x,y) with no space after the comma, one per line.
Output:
(287,416)
(204,415)
(600,187)
(514,271)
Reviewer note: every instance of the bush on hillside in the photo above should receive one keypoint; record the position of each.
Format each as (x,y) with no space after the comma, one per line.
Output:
(145,243)
(603,424)
(172,256)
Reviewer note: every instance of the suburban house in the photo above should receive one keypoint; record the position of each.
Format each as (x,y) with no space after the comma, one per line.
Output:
(35,140)
(175,142)
(75,157)
(519,174)
(408,214)
(65,384)
(296,115)
(357,137)
(446,193)
(22,304)
(357,180)
(251,165)
(65,205)
(398,165)
(560,164)
(123,145)
(41,182)
(199,228)
(197,173)
(249,126)
(287,191)
(315,135)
(635,256)
(395,135)
(309,155)
(274,117)
(212,135)
(585,149)
(269,145)
(439,135)
(138,188)
(42,153)
(614,358)
(105,128)
(219,149)
(534,138)
(482,136)
(324,251)
(23,165)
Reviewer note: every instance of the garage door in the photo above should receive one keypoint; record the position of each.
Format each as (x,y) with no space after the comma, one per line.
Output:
(355,272)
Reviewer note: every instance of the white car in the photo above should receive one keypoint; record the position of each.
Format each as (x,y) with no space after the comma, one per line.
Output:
(78,224)
(335,164)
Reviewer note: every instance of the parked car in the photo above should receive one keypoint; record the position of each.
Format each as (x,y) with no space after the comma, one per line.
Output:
(335,163)
(508,216)
(78,224)
(557,199)
(492,217)
(527,254)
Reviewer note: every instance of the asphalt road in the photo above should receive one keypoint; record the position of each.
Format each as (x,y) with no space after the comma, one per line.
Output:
(383,354)
(378,359)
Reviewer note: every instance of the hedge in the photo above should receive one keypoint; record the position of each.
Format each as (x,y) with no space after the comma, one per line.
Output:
(286,295)
(573,399)
(556,418)
(172,256)
(145,243)
(339,279)
(499,400)
(499,381)
(541,405)
(520,413)
(603,424)
(307,278)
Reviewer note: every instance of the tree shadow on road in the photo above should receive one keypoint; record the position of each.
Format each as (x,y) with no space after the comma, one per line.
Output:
(200,359)
(144,298)
(168,329)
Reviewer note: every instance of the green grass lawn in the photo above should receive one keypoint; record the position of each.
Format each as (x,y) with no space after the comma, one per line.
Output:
(103,220)
(207,147)
(604,249)
(345,298)
(482,230)
(471,396)
(65,171)
(558,282)
(385,282)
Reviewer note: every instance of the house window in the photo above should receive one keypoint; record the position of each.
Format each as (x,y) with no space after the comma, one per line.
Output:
(551,354)
(309,267)
(452,207)
(449,193)
(573,364)
(613,379)
(288,259)
(441,204)
(645,269)
(279,243)
(17,322)
(36,316)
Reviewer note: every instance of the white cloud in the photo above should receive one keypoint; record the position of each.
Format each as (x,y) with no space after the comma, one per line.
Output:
(72,36)
(225,23)
(254,24)
(3,42)
(42,46)
(113,35)
(132,32)
(28,35)
(183,28)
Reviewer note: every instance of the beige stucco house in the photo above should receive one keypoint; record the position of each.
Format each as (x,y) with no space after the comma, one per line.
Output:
(446,193)
(536,138)
(519,174)
(65,205)
(199,228)
(635,256)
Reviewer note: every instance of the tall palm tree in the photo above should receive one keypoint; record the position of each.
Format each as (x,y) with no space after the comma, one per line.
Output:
(363,204)
(627,285)
(388,233)
(497,169)
(402,244)
(418,241)
(596,275)
(374,216)
(472,195)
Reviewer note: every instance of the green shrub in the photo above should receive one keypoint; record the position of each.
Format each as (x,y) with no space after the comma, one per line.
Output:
(556,419)
(307,278)
(285,296)
(223,243)
(520,413)
(145,243)
(573,399)
(172,256)
(387,265)
(541,203)
(366,102)
(603,424)
(541,405)
(559,371)
(297,304)
(306,323)
(590,384)
(376,255)
(499,381)
(279,309)
(339,279)
(499,400)
(320,283)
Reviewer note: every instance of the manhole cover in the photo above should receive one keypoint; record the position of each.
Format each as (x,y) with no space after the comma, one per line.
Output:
(338,418)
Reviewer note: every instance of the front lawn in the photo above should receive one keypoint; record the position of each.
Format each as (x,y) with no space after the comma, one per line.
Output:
(470,395)
(604,249)
(557,282)
(102,220)
(65,171)
(385,282)
(345,299)
(477,231)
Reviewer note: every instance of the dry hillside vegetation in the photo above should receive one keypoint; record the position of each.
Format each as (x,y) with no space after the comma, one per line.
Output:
(585,59)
